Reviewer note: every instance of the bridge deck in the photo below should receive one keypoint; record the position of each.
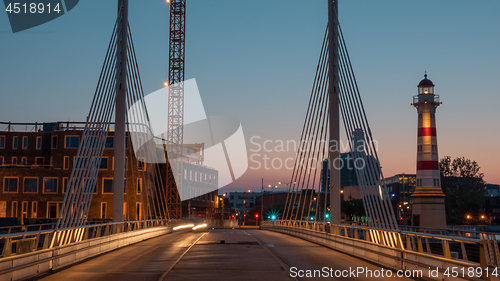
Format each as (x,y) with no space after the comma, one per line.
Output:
(247,254)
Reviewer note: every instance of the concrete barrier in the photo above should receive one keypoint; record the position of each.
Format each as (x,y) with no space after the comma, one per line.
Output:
(391,258)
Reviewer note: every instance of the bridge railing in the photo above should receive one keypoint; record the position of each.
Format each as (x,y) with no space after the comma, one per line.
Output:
(26,240)
(467,231)
(404,249)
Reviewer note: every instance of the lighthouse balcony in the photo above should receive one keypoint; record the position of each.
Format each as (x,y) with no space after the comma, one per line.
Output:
(420,99)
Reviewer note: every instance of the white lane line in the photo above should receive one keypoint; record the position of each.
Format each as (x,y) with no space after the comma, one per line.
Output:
(282,263)
(170,268)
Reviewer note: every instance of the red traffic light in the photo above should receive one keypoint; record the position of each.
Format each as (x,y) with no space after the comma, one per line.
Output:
(256,216)
(401,218)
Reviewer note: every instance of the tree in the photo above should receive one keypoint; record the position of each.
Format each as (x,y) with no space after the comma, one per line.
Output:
(463,184)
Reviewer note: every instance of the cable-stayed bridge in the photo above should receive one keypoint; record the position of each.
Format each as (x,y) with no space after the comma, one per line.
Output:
(157,244)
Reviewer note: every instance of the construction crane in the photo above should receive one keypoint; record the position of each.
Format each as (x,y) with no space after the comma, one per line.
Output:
(175,133)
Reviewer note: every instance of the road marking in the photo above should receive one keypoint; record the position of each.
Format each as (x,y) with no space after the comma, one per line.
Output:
(170,268)
(283,264)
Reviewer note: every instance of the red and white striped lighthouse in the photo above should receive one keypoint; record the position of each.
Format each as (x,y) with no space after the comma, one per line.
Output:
(428,198)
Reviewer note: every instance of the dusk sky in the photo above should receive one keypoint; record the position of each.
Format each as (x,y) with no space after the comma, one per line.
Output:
(256,60)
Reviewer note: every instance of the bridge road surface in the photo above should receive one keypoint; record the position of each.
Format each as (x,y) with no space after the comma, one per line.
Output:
(247,254)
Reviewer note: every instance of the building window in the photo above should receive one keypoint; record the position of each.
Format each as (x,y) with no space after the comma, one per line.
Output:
(14,209)
(109,143)
(71,141)
(66,162)
(39,161)
(138,211)
(437,181)
(140,164)
(24,209)
(139,186)
(30,185)
(50,185)
(2,141)
(107,186)
(38,143)
(24,161)
(54,142)
(65,184)
(34,209)
(104,163)
(14,160)
(25,144)
(14,142)
(1,160)
(103,210)
(10,185)
(53,210)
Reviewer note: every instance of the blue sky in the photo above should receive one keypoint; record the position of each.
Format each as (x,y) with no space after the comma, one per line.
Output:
(255,60)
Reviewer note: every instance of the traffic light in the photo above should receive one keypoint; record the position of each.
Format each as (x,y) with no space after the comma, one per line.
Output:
(256,216)
(327,215)
(312,218)
(273,217)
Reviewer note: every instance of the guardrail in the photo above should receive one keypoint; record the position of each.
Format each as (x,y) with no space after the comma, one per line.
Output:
(403,249)
(26,254)
(25,228)
(16,243)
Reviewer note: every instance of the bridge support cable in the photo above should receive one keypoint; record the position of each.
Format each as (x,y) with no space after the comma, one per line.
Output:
(84,173)
(152,154)
(297,172)
(371,157)
(375,197)
(317,143)
(372,147)
(82,182)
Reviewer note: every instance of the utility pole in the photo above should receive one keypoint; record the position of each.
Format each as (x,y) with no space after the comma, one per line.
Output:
(120,111)
(262,202)
(334,155)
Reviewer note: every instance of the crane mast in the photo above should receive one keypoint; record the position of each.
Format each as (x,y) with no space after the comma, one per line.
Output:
(175,105)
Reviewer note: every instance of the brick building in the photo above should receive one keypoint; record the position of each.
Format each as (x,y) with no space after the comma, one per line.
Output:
(35,167)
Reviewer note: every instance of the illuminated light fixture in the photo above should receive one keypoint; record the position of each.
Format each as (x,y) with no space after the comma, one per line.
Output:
(183,226)
(166,83)
(341,191)
(200,226)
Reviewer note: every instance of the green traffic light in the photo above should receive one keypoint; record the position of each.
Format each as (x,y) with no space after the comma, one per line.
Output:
(327,215)
(273,217)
